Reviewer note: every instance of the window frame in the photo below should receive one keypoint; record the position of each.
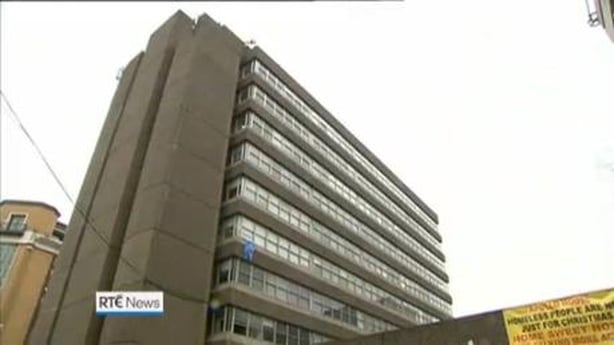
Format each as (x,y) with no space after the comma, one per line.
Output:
(10,219)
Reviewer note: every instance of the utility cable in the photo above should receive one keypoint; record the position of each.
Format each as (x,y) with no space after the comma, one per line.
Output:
(67,194)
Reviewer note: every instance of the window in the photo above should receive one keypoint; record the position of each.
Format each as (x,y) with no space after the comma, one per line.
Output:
(244,273)
(258,279)
(232,192)
(218,323)
(228,229)
(255,326)
(17,222)
(268,330)
(304,340)
(292,335)
(225,272)
(240,325)
(7,251)
(237,155)
(281,333)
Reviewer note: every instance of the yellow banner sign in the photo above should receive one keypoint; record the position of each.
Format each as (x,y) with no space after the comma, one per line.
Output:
(579,320)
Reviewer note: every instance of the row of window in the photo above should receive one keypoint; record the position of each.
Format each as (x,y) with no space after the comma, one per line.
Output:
(234,270)
(274,170)
(280,113)
(270,203)
(7,251)
(252,122)
(270,78)
(230,319)
(303,259)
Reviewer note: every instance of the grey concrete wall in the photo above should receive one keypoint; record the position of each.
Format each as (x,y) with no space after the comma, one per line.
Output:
(170,239)
(54,297)
(152,193)
(483,329)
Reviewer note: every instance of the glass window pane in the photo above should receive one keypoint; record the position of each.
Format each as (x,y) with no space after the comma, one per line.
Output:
(255,326)
(244,273)
(240,325)
(224,272)
(268,330)
(292,335)
(258,278)
(281,333)
(304,339)
(7,251)
(17,222)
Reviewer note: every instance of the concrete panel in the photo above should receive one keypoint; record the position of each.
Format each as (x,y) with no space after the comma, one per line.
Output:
(148,214)
(183,170)
(196,177)
(203,141)
(186,187)
(135,255)
(121,172)
(156,166)
(211,94)
(183,323)
(92,243)
(42,325)
(55,288)
(98,160)
(144,99)
(168,259)
(72,240)
(66,331)
(86,278)
(482,329)
(212,36)
(187,218)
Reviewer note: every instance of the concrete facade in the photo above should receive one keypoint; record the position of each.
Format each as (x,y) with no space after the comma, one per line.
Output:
(165,206)
(27,254)
(482,329)
(586,318)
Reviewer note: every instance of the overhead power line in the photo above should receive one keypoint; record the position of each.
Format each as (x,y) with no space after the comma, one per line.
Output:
(36,147)
(67,194)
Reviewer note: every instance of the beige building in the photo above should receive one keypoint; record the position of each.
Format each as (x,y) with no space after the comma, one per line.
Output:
(30,238)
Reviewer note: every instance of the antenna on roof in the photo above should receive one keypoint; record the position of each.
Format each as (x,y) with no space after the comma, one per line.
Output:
(251,43)
(593,15)
(120,72)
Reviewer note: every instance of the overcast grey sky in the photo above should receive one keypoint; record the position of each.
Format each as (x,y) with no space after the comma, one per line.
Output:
(503,109)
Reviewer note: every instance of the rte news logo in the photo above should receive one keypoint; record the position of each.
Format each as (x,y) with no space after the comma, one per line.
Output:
(127,303)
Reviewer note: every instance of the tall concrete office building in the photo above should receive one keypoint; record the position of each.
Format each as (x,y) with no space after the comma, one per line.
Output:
(209,149)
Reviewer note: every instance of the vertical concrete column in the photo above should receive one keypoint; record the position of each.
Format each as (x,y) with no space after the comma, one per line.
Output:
(98,245)
(42,325)
(171,236)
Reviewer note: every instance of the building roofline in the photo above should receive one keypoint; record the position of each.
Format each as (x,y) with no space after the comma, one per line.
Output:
(30,203)
(259,53)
